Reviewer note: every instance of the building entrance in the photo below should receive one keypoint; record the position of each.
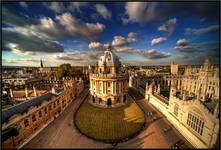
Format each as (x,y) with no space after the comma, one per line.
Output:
(109,103)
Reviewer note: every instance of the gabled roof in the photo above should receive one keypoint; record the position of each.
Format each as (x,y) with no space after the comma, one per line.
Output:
(24,106)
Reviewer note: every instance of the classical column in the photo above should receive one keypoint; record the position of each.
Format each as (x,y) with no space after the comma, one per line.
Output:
(105,89)
(35,93)
(26,92)
(120,87)
(11,93)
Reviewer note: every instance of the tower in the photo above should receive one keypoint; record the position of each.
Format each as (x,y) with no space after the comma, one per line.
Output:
(41,64)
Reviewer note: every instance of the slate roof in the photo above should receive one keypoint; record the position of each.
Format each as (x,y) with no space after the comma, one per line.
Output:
(24,106)
(210,106)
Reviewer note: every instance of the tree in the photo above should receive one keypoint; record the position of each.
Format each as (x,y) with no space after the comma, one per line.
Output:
(64,70)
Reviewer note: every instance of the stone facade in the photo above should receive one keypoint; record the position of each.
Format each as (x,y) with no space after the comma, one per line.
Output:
(36,117)
(193,103)
(108,84)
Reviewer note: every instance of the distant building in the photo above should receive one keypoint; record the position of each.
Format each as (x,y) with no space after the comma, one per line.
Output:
(174,68)
(21,121)
(108,85)
(44,70)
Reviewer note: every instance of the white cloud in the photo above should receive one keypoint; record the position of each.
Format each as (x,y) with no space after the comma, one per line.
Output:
(55,6)
(15,49)
(182,42)
(154,54)
(76,6)
(121,41)
(168,26)
(94,45)
(103,11)
(140,12)
(158,41)
(131,37)
(75,28)
(47,23)
(183,45)
(23,4)
(201,31)
(124,49)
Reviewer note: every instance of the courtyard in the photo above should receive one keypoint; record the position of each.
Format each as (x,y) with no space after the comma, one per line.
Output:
(110,124)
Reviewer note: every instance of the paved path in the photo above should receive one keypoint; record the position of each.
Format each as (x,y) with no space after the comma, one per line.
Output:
(61,134)
(153,135)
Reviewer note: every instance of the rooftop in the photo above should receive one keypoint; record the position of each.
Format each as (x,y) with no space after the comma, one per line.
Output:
(24,106)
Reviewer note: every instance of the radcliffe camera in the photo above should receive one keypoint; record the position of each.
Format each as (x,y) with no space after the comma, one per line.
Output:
(101,75)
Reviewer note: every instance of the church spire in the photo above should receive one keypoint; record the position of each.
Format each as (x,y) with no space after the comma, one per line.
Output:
(41,64)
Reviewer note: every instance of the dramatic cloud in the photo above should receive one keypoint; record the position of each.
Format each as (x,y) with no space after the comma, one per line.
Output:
(140,12)
(131,37)
(76,6)
(26,40)
(201,31)
(154,54)
(183,45)
(158,41)
(124,49)
(75,28)
(103,11)
(184,48)
(55,6)
(207,10)
(77,56)
(168,27)
(23,4)
(12,18)
(150,11)
(182,42)
(15,49)
(94,45)
(121,41)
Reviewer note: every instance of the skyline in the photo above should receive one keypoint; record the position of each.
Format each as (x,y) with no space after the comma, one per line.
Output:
(144,33)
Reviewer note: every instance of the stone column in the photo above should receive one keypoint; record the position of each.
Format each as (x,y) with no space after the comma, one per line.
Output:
(104,87)
(11,93)
(35,93)
(112,87)
(158,89)
(26,92)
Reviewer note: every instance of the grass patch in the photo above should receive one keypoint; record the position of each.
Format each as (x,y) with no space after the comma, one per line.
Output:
(109,124)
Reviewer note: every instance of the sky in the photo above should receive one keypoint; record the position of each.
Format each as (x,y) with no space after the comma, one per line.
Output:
(140,33)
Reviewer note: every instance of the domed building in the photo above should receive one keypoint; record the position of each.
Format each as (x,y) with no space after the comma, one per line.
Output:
(108,83)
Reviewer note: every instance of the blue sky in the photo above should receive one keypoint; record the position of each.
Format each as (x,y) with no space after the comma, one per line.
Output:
(141,33)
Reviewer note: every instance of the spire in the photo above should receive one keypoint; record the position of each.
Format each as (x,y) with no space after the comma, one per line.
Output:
(41,64)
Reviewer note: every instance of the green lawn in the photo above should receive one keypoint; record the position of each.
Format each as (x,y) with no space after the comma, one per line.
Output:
(109,124)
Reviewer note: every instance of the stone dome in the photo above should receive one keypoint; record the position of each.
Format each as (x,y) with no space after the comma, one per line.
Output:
(109,59)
